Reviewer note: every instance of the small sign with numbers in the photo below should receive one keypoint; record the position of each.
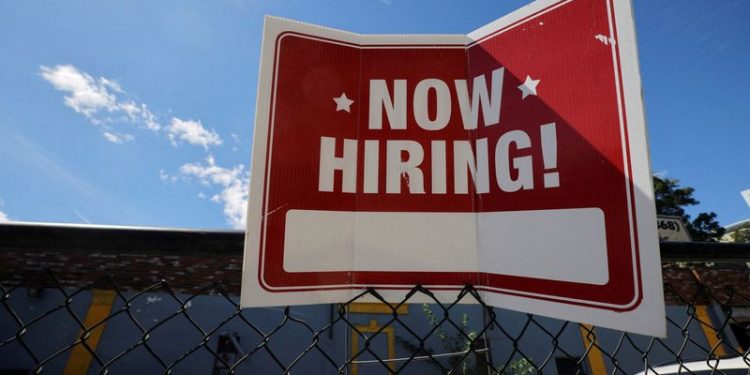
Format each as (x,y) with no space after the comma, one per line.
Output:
(672,229)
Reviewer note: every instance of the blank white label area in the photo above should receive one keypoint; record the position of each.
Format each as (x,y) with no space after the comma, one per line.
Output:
(563,245)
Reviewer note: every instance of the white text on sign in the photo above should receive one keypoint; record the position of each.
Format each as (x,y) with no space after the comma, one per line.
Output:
(404,160)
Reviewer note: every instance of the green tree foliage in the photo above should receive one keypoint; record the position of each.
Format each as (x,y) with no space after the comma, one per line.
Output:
(464,340)
(671,199)
(742,235)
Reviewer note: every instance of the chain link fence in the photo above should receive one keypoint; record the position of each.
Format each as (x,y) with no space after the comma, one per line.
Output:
(109,321)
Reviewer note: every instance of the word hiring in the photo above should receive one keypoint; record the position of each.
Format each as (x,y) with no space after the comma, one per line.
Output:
(404,158)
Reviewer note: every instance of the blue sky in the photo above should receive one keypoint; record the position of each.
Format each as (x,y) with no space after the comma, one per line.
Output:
(141,112)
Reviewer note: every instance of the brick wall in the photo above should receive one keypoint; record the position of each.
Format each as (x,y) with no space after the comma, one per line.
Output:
(191,261)
(183,273)
(196,273)
(707,283)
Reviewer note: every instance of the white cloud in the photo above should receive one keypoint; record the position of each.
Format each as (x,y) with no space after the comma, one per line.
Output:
(661,174)
(117,138)
(237,141)
(3,216)
(82,217)
(105,103)
(166,177)
(234,184)
(149,119)
(139,113)
(192,132)
(102,100)
(86,95)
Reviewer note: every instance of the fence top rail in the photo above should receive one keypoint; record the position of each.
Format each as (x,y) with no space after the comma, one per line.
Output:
(43,237)
(53,237)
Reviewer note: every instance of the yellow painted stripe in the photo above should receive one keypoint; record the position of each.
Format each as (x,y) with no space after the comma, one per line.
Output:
(80,358)
(595,358)
(373,327)
(702,313)
(376,308)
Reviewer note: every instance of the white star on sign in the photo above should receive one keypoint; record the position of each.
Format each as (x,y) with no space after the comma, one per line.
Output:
(343,103)
(528,87)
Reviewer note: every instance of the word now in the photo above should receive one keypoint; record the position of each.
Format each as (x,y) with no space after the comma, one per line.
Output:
(404,161)
(395,105)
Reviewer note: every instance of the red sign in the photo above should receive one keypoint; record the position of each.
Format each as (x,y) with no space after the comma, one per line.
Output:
(513,159)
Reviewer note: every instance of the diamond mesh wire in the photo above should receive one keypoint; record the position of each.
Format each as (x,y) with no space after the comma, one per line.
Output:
(51,327)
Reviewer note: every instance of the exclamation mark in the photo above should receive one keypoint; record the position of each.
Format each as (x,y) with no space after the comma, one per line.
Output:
(549,155)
